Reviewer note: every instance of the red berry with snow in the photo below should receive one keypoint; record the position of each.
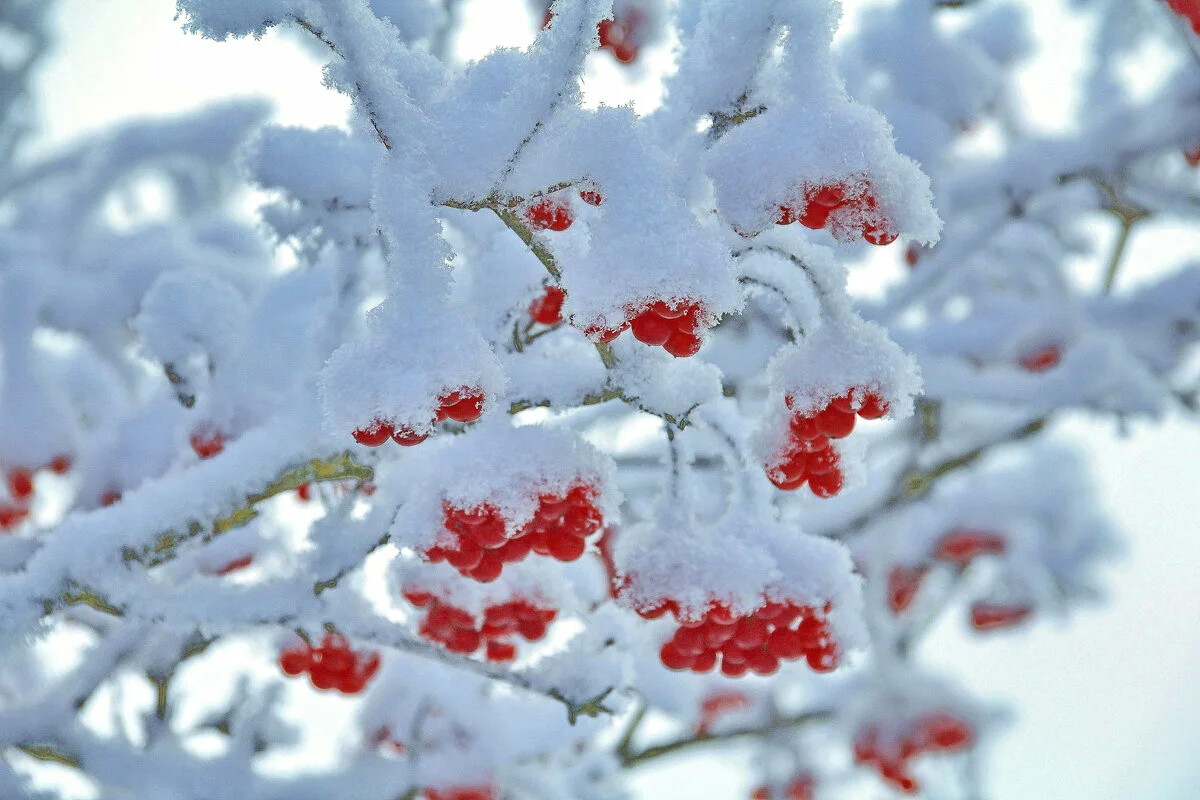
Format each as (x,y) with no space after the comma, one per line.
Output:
(818,204)
(332,665)
(461,632)
(549,213)
(755,642)
(373,435)
(207,441)
(890,755)
(994,616)
(547,309)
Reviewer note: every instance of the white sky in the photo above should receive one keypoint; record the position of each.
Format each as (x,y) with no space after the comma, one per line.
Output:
(1106,707)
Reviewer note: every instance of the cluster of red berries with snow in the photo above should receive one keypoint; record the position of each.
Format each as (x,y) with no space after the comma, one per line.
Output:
(552,212)
(841,204)
(957,548)
(461,793)
(333,665)
(800,787)
(460,632)
(483,543)
(19,481)
(672,326)
(808,454)
(755,642)
(937,732)
(462,405)
(1189,10)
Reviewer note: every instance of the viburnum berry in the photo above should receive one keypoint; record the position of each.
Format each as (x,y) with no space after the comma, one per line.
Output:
(207,440)
(1042,359)
(993,616)
(622,34)
(20,483)
(239,563)
(1192,155)
(483,544)
(461,632)
(800,787)
(407,437)
(903,584)
(1189,10)
(939,731)
(547,309)
(110,497)
(461,793)
(11,516)
(807,455)
(961,546)
(463,405)
(755,642)
(718,704)
(304,492)
(374,434)
(591,196)
(912,255)
(548,213)
(60,464)
(333,665)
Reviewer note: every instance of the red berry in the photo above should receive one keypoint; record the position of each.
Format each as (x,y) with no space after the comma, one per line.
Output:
(878,233)
(489,567)
(296,659)
(1042,359)
(304,492)
(651,329)
(991,616)
(827,484)
(60,464)
(403,436)
(1192,155)
(734,669)
(464,406)
(549,213)
(672,658)
(821,462)
(682,345)
(903,585)
(111,497)
(834,423)
(666,311)
(20,483)
(207,441)
(823,659)
(500,651)
(237,564)
(591,197)
(547,309)
(961,546)
(873,407)
(374,434)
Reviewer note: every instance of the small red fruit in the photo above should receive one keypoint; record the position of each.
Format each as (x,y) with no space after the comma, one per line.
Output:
(374,434)
(207,441)
(1041,359)
(547,309)
(548,213)
(20,483)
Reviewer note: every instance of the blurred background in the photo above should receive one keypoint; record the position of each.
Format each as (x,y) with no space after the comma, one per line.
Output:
(1106,707)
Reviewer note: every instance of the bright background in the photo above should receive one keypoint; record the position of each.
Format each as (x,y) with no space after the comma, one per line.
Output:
(1107,706)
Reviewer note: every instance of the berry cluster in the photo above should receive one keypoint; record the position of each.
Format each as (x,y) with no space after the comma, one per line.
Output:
(937,732)
(20,487)
(463,405)
(818,203)
(461,793)
(333,665)
(673,326)
(551,212)
(754,642)
(483,543)
(1189,10)
(993,616)
(1042,359)
(799,788)
(460,632)
(547,309)
(622,34)
(716,705)
(207,440)
(808,454)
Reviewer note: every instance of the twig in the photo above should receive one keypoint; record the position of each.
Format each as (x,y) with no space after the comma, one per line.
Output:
(632,759)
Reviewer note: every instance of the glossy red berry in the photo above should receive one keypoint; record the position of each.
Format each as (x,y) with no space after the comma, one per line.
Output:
(682,344)
(547,309)
(462,406)
(406,437)
(374,434)
(549,213)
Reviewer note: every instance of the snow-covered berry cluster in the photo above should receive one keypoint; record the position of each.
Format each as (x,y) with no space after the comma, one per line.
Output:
(847,205)
(890,752)
(483,541)
(755,642)
(460,405)
(332,665)
(808,455)
(674,326)
(461,632)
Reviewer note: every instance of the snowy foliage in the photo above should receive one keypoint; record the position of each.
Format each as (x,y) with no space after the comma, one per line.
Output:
(512,421)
